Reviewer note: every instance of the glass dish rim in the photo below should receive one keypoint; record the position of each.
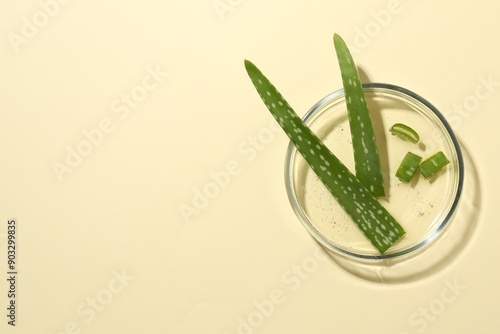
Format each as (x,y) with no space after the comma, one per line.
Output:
(292,151)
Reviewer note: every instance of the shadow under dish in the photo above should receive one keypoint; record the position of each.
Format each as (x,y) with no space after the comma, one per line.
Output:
(424,207)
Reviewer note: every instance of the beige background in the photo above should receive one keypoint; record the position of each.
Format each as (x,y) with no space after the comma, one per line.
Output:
(102,244)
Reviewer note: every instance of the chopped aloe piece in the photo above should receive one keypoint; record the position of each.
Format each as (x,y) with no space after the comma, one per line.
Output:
(405,132)
(366,156)
(408,166)
(372,218)
(433,164)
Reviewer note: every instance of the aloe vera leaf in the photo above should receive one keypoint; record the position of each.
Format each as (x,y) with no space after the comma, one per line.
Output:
(378,225)
(366,157)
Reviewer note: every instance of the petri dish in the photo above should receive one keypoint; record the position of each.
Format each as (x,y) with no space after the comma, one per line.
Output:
(424,207)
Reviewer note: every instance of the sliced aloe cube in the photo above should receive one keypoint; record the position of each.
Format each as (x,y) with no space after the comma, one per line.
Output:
(405,132)
(433,164)
(408,167)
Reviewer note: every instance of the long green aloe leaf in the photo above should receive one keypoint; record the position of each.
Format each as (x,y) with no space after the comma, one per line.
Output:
(366,156)
(366,211)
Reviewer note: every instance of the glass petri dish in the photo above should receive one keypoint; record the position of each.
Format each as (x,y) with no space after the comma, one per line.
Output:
(424,207)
